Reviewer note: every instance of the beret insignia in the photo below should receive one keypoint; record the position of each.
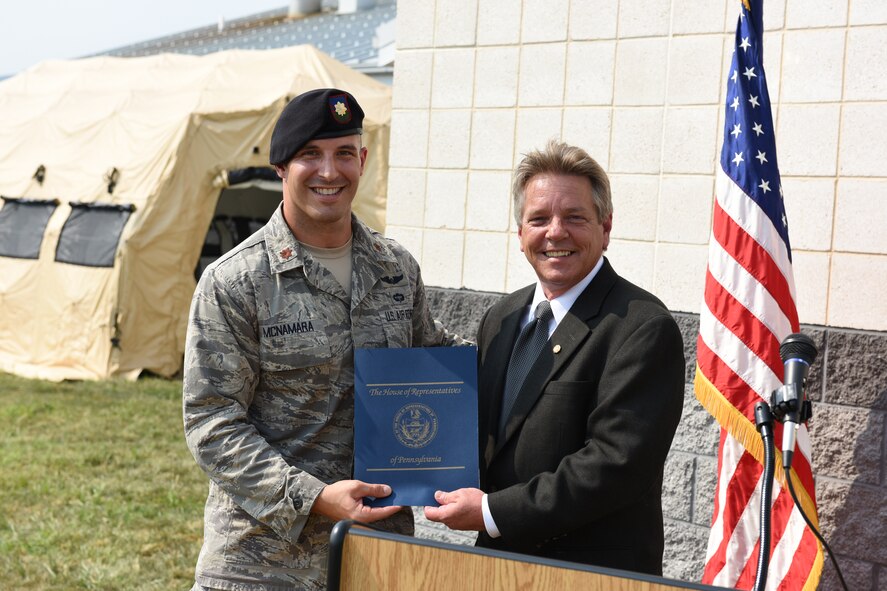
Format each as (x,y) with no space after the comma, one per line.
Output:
(339,108)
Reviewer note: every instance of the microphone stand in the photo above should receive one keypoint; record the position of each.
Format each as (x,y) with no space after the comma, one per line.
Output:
(764,424)
(785,403)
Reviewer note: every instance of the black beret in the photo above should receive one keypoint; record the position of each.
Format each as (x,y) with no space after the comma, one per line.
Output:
(316,114)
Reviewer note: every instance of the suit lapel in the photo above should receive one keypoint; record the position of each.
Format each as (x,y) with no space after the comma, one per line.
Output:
(570,334)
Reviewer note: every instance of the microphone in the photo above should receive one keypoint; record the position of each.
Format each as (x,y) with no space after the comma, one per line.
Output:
(797,352)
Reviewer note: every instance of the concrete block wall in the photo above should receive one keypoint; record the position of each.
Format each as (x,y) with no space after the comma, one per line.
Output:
(640,84)
(848,387)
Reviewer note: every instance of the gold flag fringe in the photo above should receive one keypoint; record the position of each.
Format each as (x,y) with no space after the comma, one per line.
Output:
(741,429)
(745,432)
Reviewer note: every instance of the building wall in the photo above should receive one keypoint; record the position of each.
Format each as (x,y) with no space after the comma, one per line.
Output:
(640,84)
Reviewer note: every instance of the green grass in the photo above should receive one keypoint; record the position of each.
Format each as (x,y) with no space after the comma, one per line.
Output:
(98,490)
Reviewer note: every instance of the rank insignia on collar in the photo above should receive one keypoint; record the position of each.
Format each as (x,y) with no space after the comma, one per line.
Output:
(339,108)
(286,253)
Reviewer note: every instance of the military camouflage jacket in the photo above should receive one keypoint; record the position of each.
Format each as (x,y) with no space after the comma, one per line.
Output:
(268,394)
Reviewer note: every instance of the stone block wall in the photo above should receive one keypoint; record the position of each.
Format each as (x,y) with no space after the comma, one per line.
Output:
(848,387)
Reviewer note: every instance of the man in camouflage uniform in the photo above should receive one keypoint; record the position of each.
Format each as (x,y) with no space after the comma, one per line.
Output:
(269,374)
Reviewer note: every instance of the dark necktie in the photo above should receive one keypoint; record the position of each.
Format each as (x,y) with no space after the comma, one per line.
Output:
(527,347)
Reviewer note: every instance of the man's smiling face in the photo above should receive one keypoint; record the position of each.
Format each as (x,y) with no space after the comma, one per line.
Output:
(320,182)
(560,233)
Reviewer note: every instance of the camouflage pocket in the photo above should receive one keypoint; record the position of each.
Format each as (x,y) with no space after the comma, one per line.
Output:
(295,375)
(286,345)
(398,334)
(255,547)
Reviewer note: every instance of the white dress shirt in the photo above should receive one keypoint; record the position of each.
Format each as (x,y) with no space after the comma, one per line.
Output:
(559,308)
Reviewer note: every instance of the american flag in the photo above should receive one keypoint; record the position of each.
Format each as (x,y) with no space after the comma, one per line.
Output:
(749,307)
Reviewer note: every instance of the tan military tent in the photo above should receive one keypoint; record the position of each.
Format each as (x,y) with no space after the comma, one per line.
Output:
(111,170)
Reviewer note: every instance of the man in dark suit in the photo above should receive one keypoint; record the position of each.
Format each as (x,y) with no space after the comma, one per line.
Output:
(575,433)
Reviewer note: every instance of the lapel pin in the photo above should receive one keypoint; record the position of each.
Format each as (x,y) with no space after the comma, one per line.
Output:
(556,349)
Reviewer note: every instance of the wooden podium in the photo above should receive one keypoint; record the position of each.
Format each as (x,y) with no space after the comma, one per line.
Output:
(365,559)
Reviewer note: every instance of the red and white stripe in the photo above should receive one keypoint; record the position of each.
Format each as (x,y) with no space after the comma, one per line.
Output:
(749,307)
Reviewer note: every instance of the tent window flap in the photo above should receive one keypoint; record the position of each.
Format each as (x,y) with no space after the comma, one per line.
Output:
(91,234)
(22,224)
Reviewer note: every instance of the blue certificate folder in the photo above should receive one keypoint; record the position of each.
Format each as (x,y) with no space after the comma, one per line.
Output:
(415,421)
